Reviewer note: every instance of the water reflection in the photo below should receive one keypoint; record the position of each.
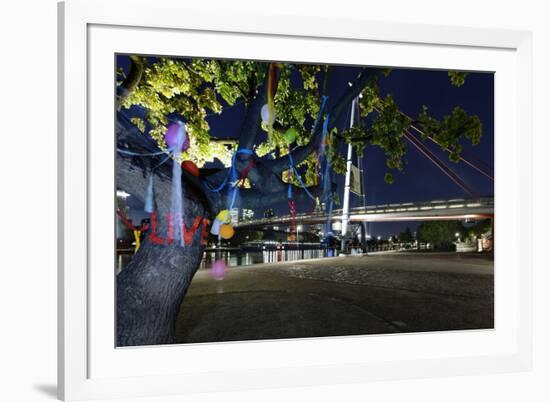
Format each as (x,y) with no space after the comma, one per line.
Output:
(242,258)
(237,258)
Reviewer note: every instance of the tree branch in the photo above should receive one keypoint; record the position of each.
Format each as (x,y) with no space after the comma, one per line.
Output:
(255,199)
(133,170)
(252,123)
(250,130)
(132,80)
(300,153)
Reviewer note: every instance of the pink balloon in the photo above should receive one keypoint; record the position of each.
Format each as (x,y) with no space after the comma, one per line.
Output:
(218,270)
(172,133)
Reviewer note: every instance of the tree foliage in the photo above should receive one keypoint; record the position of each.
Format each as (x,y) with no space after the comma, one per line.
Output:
(384,125)
(442,234)
(480,228)
(193,89)
(406,236)
(458,78)
(448,131)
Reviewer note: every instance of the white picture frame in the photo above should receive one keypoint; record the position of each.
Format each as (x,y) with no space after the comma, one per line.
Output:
(89,365)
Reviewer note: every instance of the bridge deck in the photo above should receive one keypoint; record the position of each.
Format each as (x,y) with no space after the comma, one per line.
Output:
(457,209)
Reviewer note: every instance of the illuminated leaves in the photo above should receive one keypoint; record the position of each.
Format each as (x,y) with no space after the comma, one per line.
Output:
(384,128)
(370,99)
(338,163)
(169,78)
(294,106)
(190,90)
(457,78)
(358,137)
(139,123)
(387,132)
(448,131)
(202,153)
(386,125)
(308,73)
(193,89)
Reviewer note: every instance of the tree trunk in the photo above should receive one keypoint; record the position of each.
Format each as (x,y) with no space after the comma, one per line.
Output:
(151,289)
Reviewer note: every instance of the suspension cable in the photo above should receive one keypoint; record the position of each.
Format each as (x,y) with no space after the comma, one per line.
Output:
(436,161)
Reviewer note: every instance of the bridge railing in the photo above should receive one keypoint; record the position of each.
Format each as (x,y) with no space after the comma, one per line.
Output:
(427,205)
(483,202)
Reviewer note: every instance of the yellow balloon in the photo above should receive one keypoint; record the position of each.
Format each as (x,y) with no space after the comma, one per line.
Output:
(224,216)
(227,231)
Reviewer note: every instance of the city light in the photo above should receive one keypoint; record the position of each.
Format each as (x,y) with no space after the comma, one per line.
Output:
(122,194)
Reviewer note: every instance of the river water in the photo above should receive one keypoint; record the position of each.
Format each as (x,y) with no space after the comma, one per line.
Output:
(237,258)
(243,258)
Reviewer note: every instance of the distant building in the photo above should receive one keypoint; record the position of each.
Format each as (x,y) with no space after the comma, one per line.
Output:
(234,213)
(247,214)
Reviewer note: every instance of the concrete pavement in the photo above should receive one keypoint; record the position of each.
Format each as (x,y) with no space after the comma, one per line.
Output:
(401,292)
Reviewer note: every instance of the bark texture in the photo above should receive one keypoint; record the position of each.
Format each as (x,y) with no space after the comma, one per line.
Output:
(151,288)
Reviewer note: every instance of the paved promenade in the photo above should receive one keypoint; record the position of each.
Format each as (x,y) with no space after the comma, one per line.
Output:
(384,293)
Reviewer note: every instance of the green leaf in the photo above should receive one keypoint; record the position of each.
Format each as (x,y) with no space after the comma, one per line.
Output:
(457,77)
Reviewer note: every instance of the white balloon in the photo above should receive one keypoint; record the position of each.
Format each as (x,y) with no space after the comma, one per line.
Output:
(266,115)
(215,229)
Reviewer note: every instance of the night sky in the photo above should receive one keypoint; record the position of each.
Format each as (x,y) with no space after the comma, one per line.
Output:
(420,180)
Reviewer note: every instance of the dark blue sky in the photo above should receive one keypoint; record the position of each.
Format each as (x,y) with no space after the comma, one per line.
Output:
(420,180)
